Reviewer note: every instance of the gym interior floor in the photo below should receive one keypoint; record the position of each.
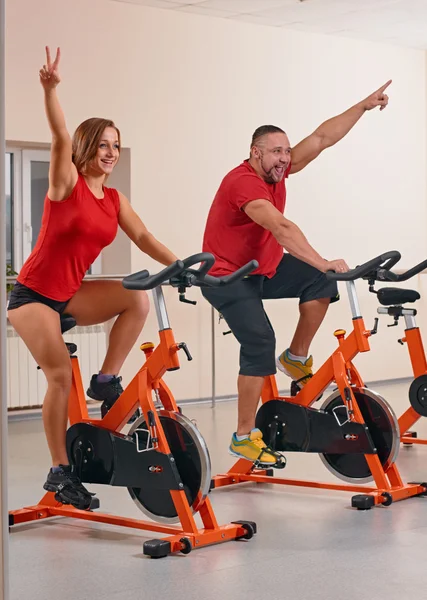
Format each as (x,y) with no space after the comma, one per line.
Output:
(310,543)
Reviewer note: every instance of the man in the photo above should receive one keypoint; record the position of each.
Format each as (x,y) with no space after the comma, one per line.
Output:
(246,222)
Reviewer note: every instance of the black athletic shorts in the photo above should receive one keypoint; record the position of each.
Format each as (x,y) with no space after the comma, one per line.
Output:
(21,294)
(241,306)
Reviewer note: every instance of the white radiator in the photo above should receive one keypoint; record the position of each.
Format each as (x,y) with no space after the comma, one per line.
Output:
(26,385)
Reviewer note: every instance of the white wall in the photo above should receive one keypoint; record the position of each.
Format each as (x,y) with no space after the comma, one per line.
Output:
(116,258)
(187,92)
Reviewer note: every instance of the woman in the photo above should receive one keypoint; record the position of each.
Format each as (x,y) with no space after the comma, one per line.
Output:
(80,218)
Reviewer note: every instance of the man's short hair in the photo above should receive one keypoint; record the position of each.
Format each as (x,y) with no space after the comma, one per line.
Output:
(264,130)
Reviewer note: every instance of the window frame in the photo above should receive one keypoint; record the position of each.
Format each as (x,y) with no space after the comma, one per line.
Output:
(27,156)
(21,203)
(16,181)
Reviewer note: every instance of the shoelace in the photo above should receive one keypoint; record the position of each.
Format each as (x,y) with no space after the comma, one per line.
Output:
(259,442)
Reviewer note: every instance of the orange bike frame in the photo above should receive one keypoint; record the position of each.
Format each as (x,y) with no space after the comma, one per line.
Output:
(338,368)
(419,367)
(138,393)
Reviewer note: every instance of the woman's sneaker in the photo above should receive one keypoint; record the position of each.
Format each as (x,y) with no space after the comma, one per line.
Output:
(68,488)
(107,392)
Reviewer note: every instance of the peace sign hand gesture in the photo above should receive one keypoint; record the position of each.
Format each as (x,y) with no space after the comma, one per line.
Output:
(49,74)
(378,98)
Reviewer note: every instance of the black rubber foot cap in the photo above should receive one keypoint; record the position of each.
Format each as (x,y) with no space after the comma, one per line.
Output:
(362,502)
(412,434)
(11,520)
(423,484)
(157,548)
(250,523)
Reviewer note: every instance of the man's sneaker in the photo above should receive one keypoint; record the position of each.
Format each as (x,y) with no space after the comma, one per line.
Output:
(254,448)
(298,371)
(68,488)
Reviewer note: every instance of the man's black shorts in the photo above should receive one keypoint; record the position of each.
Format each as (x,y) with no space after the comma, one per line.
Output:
(241,306)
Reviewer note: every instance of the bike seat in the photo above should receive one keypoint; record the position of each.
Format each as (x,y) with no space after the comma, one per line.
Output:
(67,323)
(391,296)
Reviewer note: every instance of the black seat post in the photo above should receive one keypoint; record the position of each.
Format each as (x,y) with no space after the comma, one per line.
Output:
(67,323)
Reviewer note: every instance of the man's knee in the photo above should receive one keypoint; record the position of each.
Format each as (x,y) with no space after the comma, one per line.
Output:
(321,289)
(257,355)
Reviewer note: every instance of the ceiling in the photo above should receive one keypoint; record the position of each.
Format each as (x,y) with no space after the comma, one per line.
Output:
(402,22)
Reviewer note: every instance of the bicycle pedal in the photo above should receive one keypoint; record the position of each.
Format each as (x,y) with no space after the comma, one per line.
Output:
(281,463)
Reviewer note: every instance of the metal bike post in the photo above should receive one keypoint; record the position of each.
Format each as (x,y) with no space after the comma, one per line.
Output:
(213,359)
(4,520)
(354,302)
(160,306)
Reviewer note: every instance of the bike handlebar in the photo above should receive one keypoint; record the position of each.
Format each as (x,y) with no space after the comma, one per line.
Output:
(368,269)
(407,274)
(142,280)
(180,274)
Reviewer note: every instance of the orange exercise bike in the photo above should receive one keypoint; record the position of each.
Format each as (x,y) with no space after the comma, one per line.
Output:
(163,460)
(355,432)
(393,300)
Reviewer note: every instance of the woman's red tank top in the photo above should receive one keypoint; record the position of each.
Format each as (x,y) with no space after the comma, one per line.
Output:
(73,233)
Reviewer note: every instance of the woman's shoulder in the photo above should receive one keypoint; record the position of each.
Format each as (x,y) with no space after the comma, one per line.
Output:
(114,196)
(110,189)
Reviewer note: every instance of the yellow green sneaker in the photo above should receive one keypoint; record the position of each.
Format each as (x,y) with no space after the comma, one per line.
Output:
(298,371)
(254,448)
